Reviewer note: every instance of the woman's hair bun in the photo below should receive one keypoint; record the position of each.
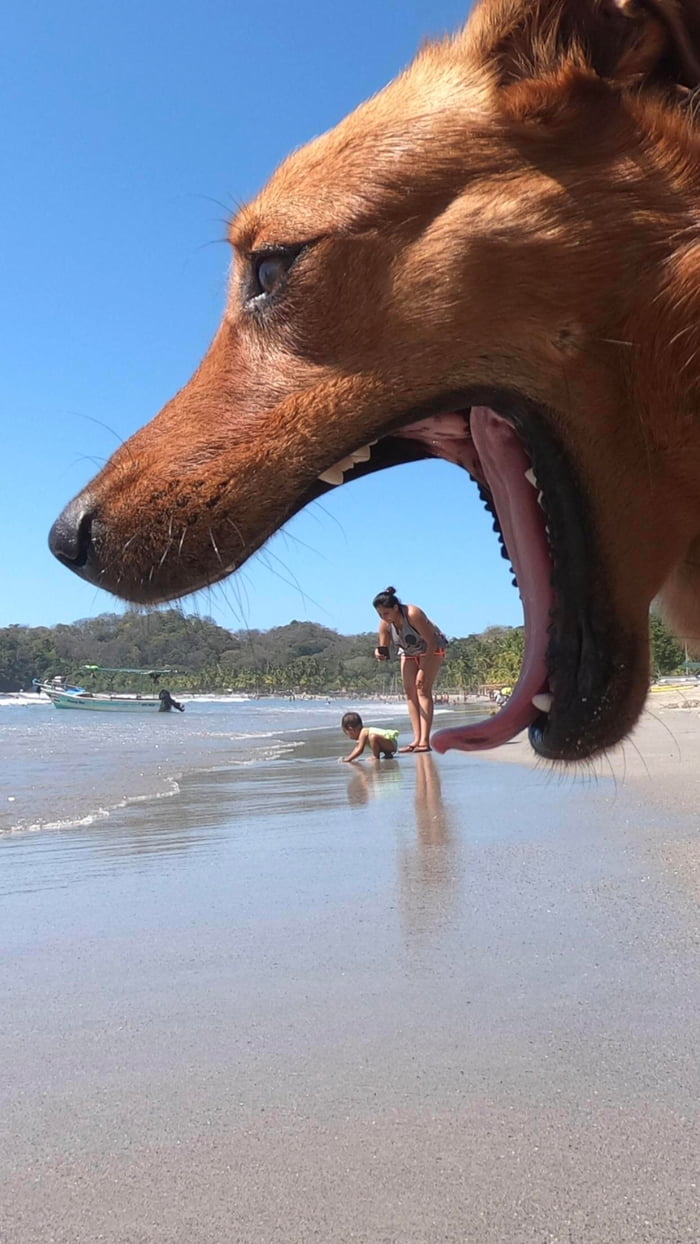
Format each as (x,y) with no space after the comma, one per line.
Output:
(386,599)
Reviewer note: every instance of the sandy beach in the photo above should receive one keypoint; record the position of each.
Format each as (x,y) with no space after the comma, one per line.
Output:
(430,1000)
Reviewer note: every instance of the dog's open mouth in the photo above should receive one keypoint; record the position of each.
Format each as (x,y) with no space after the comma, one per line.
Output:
(581,686)
(575,678)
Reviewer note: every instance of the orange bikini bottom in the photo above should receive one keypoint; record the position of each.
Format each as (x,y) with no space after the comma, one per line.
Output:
(439,652)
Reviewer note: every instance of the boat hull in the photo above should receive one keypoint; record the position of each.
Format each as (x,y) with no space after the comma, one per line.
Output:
(103,703)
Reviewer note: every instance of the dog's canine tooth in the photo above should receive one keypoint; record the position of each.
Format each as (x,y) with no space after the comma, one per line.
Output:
(543,701)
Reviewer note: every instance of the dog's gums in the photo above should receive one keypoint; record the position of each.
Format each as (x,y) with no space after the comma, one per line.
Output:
(496,262)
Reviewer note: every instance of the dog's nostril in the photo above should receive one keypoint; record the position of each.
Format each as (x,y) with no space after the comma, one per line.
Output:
(70,538)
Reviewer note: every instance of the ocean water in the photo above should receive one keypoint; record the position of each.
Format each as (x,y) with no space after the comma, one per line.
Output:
(60,768)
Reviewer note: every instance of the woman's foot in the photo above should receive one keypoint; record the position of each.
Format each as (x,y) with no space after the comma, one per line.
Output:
(422,747)
(410,748)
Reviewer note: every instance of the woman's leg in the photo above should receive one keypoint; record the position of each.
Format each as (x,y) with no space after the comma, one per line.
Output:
(409,670)
(430,665)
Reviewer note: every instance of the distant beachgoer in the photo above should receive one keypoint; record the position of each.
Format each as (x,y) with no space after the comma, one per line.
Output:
(382,742)
(422,646)
(167,702)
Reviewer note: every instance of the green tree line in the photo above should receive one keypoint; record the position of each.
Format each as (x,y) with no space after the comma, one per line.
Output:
(298,657)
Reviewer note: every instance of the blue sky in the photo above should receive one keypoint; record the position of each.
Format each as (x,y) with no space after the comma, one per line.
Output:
(131,132)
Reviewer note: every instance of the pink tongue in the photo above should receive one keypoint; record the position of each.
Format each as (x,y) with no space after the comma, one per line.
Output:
(504,464)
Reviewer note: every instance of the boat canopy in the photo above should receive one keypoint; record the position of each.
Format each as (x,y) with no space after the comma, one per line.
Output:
(125,669)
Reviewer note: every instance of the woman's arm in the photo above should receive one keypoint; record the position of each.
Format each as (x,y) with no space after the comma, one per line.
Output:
(423,625)
(383,641)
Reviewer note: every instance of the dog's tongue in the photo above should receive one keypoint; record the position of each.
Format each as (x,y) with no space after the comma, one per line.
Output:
(504,463)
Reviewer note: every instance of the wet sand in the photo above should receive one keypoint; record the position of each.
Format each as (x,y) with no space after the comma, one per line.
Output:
(429,1000)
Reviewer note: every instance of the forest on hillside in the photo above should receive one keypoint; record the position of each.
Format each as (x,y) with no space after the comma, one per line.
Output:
(298,657)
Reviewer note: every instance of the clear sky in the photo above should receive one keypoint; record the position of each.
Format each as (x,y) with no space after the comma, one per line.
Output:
(131,132)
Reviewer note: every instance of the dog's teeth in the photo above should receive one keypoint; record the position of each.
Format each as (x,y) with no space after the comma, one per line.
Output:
(531,477)
(362,455)
(543,701)
(333,475)
(540,500)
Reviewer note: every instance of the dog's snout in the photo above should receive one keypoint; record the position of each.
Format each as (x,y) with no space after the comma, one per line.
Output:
(70,538)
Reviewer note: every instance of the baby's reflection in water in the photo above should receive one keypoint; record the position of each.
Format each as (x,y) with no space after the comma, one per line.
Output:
(376,778)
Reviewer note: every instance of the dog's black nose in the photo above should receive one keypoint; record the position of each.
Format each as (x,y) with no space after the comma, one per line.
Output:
(70,538)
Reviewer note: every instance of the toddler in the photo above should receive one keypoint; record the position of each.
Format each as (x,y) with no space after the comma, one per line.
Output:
(382,742)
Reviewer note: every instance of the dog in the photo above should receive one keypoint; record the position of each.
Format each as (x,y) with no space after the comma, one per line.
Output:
(495,261)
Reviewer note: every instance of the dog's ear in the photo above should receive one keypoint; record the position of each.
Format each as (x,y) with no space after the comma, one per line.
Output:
(625,41)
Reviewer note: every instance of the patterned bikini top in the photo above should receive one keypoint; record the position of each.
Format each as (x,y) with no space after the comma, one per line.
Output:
(408,639)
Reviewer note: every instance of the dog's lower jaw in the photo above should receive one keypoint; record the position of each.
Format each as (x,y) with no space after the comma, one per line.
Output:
(588,721)
(597,685)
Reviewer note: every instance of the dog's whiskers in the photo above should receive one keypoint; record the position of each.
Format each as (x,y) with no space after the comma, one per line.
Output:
(237,530)
(215,547)
(165,554)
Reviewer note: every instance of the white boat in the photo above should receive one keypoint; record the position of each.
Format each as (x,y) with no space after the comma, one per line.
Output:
(64,695)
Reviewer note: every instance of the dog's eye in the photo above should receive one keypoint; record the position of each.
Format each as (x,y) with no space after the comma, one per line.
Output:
(269,271)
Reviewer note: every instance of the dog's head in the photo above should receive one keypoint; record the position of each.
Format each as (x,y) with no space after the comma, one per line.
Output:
(494,262)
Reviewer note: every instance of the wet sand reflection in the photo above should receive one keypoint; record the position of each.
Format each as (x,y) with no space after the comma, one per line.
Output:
(429,860)
(377,778)
(428,852)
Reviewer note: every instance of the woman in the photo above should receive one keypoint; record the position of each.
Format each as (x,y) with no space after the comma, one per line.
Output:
(422,646)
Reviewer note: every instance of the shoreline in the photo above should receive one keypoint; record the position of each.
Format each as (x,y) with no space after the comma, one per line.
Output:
(666,741)
(62,769)
(664,738)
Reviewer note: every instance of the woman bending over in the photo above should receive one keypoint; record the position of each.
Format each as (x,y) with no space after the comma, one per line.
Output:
(422,646)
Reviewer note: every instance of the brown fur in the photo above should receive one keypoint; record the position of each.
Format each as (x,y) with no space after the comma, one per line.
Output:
(519,209)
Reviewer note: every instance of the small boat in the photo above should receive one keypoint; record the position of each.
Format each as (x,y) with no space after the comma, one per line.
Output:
(65,695)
